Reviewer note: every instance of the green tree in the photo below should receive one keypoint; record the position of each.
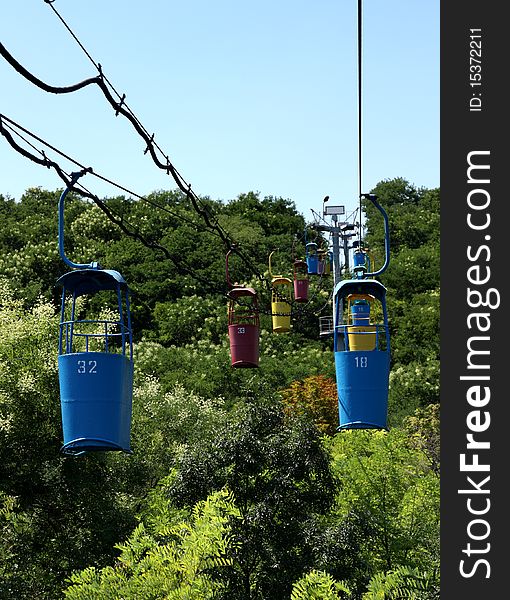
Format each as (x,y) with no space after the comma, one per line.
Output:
(423,429)
(319,585)
(413,214)
(280,477)
(389,483)
(190,318)
(175,562)
(412,386)
(403,583)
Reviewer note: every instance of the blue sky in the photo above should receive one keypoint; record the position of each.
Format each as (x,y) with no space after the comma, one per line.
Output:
(242,96)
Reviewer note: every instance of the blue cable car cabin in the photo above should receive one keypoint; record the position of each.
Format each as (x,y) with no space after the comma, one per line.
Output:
(312,258)
(95,366)
(362,262)
(329,264)
(362,353)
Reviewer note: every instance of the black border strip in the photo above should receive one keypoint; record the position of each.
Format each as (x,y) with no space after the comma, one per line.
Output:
(475,511)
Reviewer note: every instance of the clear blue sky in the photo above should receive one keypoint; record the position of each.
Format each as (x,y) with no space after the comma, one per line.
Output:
(242,96)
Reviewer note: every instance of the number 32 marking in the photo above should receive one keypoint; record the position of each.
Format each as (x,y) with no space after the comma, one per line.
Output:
(87,366)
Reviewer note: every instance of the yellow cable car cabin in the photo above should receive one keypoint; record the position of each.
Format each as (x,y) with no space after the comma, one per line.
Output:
(280,303)
(281,295)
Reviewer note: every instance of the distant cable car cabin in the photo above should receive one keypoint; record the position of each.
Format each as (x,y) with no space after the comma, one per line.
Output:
(243,324)
(362,262)
(281,292)
(301,281)
(328,268)
(95,360)
(325,262)
(312,258)
(362,344)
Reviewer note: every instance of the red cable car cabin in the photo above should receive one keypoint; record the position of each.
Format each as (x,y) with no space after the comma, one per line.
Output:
(243,327)
(301,281)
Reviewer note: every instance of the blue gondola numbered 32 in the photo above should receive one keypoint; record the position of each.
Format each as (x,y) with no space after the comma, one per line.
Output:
(362,344)
(95,358)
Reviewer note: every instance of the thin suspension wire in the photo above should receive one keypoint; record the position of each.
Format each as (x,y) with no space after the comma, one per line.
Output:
(100,71)
(360,30)
(201,209)
(121,107)
(50,2)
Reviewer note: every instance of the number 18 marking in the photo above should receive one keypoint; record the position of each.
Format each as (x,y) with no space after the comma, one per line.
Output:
(361,361)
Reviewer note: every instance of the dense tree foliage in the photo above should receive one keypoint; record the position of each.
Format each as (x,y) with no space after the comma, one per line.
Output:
(239,486)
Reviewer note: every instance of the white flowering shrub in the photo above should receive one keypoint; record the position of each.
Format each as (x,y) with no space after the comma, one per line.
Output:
(164,423)
(29,401)
(93,224)
(412,386)
(191,318)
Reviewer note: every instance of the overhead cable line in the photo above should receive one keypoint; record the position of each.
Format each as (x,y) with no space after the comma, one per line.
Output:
(9,129)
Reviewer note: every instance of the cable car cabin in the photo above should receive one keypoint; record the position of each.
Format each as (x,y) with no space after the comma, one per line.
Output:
(312,258)
(362,262)
(95,365)
(280,303)
(301,281)
(325,262)
(362,353)
(243,327)
(328,267)
(321,264)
